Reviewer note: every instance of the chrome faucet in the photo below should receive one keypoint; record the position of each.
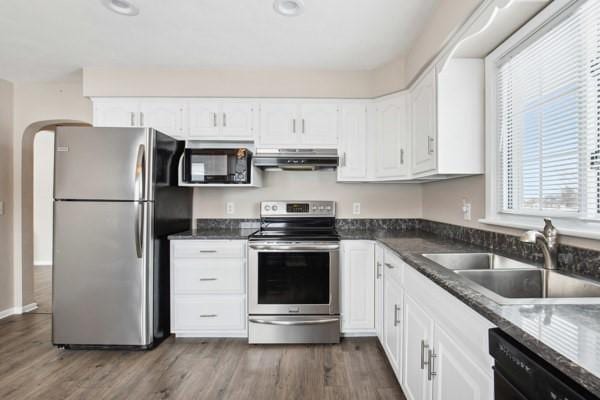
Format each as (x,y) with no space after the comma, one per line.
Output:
(547,241)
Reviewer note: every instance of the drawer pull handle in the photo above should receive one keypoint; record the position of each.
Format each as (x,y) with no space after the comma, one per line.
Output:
(396,309)
(208,251)
(208,279)
(208,315)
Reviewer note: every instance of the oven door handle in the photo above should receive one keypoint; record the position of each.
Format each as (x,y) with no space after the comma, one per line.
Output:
(294,247)
(292,323)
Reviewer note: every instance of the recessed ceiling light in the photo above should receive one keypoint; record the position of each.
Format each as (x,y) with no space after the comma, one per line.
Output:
(123,7)
(289,8)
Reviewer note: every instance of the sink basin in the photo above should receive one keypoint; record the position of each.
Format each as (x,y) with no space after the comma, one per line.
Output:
(462,261)
(533,284)
(508,281)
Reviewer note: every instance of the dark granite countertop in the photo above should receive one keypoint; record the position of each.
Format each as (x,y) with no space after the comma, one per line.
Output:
(565,335)
(214,234)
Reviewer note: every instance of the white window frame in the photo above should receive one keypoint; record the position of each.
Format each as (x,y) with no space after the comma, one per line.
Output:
(493,211)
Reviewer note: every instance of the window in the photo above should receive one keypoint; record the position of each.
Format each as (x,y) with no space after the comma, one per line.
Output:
(546,111)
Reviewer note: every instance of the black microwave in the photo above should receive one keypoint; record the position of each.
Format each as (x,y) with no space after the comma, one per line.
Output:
(229,166)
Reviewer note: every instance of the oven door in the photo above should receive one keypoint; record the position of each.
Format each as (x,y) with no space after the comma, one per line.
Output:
(294,278)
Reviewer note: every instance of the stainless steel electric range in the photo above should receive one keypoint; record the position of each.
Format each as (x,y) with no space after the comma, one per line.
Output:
(294,274)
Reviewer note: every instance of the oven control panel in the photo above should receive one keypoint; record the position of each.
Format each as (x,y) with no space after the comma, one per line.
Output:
(297,208)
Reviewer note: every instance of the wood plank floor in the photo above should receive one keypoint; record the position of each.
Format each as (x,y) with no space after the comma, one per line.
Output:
(31,368)
(42,288)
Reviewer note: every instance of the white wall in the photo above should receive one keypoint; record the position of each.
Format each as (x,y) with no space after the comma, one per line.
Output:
(380,200)
(43,179)
(6,193)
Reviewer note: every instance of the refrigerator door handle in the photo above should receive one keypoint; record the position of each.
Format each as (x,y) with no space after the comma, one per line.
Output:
(140,173)
(140,176)
(139,229)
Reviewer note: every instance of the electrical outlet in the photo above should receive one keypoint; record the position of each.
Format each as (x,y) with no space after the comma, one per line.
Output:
(466,209)
(1,208)
(230,208)
(356,208)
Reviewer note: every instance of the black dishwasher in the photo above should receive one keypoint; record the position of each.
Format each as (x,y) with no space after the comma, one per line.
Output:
(519,374)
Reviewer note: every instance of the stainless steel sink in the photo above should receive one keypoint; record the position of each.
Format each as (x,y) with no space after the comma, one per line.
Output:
(508,281)
(533,285)
(455,261)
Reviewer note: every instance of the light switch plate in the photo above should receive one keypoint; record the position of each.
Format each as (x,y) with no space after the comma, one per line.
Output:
(356,208)
(230,208)
(1,207)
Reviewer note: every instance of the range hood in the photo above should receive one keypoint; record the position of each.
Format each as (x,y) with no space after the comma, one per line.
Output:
(296,159)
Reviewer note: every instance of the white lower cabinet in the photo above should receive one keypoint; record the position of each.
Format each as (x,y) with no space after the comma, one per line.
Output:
(418,335)
(207,315)
(357,275)
(458,377)
(437,346)
(393,321)
(379,291)
(208,288)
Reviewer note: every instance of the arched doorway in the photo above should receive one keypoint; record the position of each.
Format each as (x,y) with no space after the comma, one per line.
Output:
(24,259)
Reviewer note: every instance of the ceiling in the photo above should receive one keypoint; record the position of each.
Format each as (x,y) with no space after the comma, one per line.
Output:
(47,39)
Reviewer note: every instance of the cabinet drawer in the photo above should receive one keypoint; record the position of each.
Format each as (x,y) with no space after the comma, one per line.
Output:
(209,313)
(393,265)
(209,275)
(209,249)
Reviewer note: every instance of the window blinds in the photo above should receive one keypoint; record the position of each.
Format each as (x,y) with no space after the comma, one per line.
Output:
(548,99)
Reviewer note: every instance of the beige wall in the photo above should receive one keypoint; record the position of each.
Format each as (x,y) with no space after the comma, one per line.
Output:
(36,105)
(442,201)
(389,77)
(377,200)
(6,132)
(445,19)
(226,83)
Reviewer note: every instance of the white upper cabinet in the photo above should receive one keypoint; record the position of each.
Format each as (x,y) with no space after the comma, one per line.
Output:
(392,137)
(447,116)
(358,286)
(221,120)
(110,112)
(165,116)
(203,119)
(319,124)
(353,147)
(424,133)
(237,120)
(461,117)
(278,124)
(292,124)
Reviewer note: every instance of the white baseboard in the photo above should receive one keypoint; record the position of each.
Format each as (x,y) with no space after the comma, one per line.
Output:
(7,313)
(18,310)
(359,334)
(42,264)
(26,308)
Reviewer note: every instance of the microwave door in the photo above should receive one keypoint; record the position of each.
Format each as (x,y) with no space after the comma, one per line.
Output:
(208,168)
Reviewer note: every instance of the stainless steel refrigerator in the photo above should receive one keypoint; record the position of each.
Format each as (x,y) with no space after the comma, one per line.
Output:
(116,200)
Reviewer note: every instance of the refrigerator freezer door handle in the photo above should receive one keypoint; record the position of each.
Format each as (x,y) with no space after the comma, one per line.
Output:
(140,177)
